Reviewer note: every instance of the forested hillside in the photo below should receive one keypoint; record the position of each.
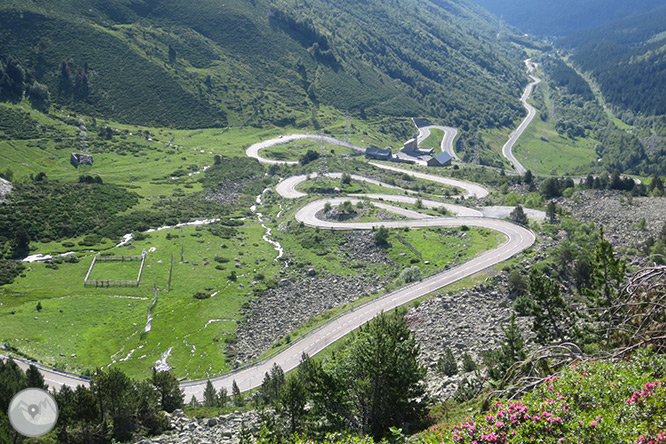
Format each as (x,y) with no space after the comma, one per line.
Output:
(548,18)
(628,60)
(146,62)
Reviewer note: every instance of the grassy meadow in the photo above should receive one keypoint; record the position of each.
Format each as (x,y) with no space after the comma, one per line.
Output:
(78,328)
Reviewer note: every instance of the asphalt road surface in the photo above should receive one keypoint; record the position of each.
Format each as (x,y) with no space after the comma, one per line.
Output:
(518,239)
(52,378)
(253,150)
(531,112)
(447,141)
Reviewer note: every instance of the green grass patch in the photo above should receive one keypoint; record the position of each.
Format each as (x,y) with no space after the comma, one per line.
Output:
(115,270)
(441,248)
(434,140)
(298,148)
(103,325)
(545,152)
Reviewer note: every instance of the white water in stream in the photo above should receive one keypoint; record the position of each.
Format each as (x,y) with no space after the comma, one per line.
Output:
(265,237)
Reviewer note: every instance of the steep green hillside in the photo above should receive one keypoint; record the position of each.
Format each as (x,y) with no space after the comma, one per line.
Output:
(213,63)
(628,59)
(545,17)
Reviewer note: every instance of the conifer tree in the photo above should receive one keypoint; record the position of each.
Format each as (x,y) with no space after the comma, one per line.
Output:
(236,395)
(291,402)
(447,363)
(518,215)
(209,396)
(551,212)
(381,376)
(170,395)
(468,363)
(222,397)
(602,293)
(549,309)
(35,378)
(511,351)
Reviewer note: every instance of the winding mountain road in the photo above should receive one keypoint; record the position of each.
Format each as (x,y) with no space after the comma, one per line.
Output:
(447,141)
(518,239)
(531,112)
(253,150)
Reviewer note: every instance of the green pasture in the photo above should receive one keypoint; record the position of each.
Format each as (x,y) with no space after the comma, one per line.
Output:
(102,325)
(545,152)
(115,270)
(293,151)
(442,248)
(434,140)
(79,328)
(354,187)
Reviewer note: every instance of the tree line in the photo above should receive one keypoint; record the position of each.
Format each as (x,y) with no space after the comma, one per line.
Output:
(371,384)
(113,408)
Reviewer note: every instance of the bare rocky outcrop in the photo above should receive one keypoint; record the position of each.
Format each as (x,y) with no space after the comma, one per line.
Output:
(468,322)
(291,304)
(5,188)
(361,247)
(230,192)
(298,298)
(619,215)
(77,159)
(221,429)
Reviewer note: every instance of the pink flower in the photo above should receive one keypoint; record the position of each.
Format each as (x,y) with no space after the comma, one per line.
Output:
(593,423)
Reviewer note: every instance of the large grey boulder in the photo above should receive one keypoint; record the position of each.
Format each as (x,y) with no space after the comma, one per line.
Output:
(77,159)
(5,188)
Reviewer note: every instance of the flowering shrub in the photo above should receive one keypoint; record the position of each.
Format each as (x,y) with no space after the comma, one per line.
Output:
(595,402)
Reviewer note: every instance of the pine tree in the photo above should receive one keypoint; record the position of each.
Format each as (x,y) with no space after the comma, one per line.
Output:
(35,378)
(512,350)
(518,216)
(381,375)
(326,392)
(222,397)
(468,363)
(273,382)
(236,395)
(528,178)
(447,363)
(513,347)
(292,400)
(170,395)
(606,280)
(381,236)
(209,396)
(245,434)
(548,308)
(551,212)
